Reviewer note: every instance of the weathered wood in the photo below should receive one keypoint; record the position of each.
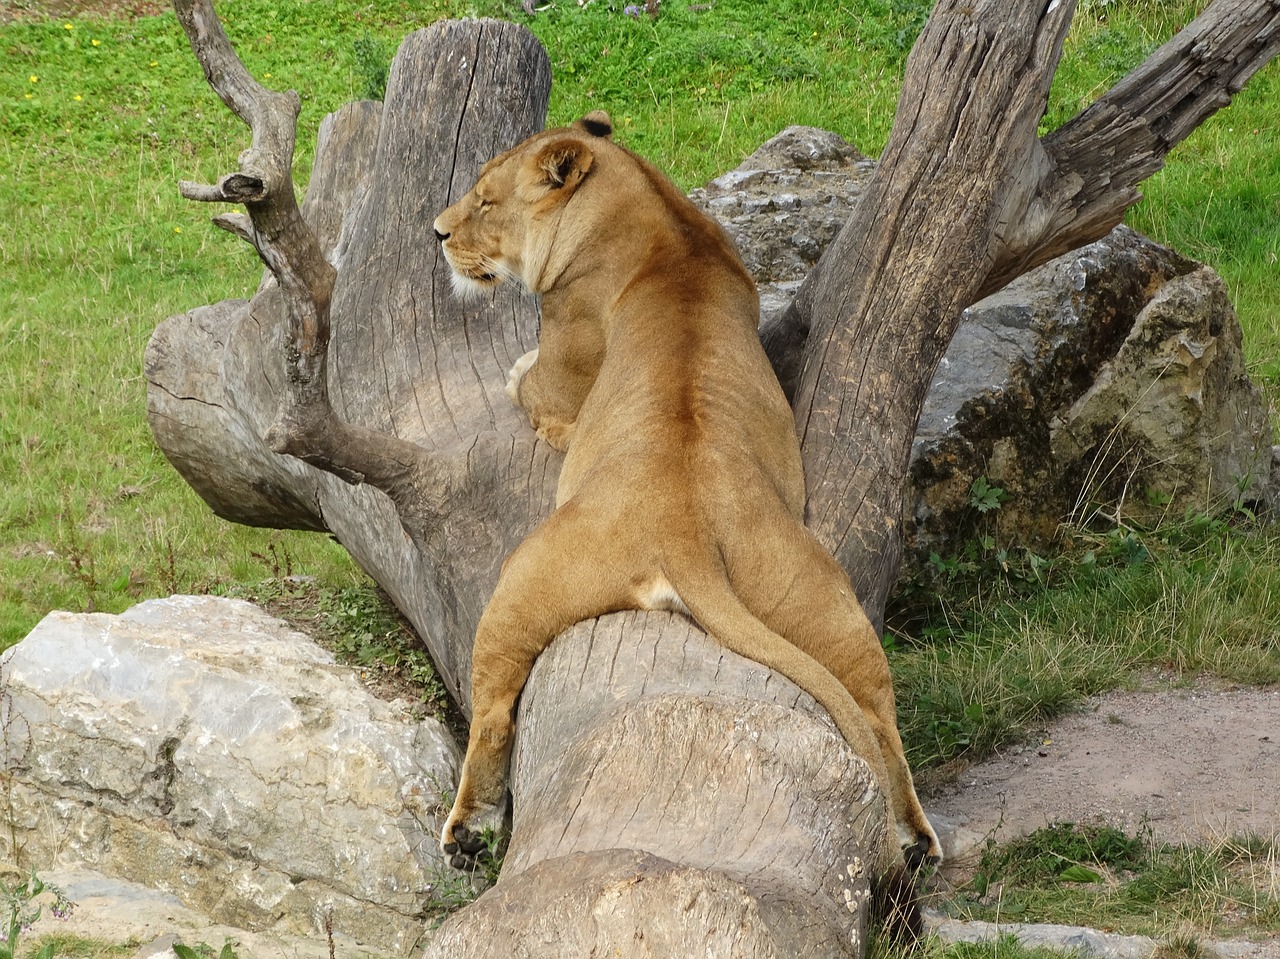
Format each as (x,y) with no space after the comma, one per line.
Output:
(975,89)
(407,358)
(639,733)
(727,784)
(406,363)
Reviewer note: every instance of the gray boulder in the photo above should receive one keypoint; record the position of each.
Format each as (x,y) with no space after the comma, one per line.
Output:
(785,204)
(1110,380)
(1108,384)
(200,747)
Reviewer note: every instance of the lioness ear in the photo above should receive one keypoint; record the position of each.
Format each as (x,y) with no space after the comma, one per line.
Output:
(597,123)
(564,163)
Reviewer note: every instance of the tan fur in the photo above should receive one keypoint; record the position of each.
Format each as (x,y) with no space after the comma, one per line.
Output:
(682,485)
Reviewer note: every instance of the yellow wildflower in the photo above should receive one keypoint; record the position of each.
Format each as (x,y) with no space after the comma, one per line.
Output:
(96,43)
(68,26)
(155,63)
(30,95)
(266,76)
(177,229)
(33,78)
(77,97)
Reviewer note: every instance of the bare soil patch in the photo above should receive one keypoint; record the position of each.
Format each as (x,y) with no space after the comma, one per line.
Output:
(71,9)
(1194,765)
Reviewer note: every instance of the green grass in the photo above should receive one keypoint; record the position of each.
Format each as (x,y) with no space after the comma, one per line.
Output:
(78,947)
(988,649)
(100,248)
(1100,877)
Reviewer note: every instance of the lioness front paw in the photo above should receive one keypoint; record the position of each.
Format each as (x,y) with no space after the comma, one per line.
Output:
(521,367)
(465,849)
(558,435)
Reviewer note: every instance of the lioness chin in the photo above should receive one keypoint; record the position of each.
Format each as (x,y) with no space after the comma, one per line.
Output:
(681,486)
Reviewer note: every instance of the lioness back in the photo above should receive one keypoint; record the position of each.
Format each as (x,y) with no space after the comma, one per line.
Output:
(682,485)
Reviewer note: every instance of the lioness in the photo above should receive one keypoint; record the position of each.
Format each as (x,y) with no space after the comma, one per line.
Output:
(682,486)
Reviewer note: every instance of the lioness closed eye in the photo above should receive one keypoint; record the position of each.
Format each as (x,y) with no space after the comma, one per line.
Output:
(682,482)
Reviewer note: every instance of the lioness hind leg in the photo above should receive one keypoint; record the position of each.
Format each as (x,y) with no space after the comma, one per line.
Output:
(546,585)
(819,613)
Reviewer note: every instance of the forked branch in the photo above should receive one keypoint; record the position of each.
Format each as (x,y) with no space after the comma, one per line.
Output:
(1097,160)
(307,426)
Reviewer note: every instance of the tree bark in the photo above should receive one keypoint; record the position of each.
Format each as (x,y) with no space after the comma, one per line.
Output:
(666,792)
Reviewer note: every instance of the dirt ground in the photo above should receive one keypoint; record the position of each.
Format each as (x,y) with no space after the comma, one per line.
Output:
(1193,764)
(112,9)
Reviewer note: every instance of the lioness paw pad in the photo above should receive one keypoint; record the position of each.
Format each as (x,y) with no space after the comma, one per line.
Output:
(925,851)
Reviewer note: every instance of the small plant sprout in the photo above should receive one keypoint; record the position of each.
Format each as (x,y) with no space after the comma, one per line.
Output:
(984,497)
(202,950)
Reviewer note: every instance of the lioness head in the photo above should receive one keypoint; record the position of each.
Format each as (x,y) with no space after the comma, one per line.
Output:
(504,227)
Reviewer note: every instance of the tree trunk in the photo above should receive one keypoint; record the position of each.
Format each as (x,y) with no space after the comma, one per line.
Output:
(670,798)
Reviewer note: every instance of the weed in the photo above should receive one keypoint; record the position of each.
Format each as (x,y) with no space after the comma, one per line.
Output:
(25,902)
(984,497)
(72,946)
(1182,947)
(372,56)
(277,559)
(202,950)
(930,947)
(366,631)
(451,889)
(1060,852)
(1102,877)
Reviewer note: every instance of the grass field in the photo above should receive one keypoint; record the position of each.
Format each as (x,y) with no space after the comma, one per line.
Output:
(101,116)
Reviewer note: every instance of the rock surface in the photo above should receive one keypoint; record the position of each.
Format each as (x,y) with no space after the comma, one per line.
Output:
(1109,379)
(118,911)
(1110,382)
(784,204)
(202,748)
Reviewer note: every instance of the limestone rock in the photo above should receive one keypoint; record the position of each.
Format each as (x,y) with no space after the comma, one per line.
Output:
(1069,940)
(784,204)
(1112,377)
(116,910)
(202,748)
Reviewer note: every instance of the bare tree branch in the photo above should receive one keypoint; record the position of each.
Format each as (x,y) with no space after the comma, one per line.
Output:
(1095,162)
(959,157)
(307,426)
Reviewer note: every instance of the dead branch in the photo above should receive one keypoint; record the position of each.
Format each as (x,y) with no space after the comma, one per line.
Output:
(307,426)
